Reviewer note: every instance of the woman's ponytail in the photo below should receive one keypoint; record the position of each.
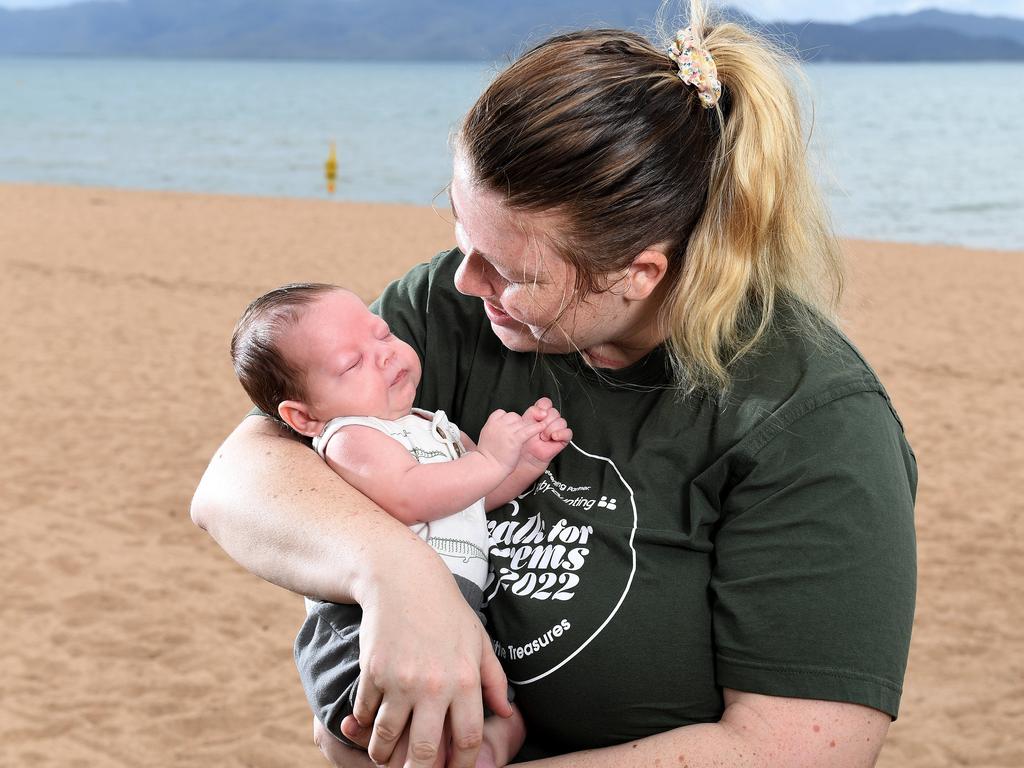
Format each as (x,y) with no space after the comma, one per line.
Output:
(764,232)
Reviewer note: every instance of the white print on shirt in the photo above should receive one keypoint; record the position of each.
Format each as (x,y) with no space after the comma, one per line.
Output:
(543,557)
(527,649)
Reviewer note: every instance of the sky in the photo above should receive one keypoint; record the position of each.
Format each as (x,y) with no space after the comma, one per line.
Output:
(780,10)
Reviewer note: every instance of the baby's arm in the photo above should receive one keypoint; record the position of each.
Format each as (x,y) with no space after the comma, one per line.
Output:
(384,470)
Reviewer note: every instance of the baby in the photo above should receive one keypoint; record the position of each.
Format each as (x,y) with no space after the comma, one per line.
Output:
(315,357)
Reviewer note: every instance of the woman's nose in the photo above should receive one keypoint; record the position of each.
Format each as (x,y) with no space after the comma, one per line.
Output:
(471,277)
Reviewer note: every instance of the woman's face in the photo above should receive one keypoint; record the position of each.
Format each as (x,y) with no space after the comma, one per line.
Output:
(526,287)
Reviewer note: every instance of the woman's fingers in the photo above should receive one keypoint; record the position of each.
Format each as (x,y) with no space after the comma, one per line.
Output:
(425,733)
(493,682)
(426,650)
(387,729)
(368,698)
(467,733)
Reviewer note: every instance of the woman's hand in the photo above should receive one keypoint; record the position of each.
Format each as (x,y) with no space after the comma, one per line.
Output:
(424,660)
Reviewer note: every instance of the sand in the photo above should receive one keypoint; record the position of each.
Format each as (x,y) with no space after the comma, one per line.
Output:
(130,639)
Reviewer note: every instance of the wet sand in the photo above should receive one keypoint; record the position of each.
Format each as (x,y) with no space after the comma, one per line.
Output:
(131,639)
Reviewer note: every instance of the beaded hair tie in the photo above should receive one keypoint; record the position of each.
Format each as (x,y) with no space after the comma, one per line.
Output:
(696,67)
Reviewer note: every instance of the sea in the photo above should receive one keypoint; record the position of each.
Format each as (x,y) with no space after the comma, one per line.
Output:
(926,153)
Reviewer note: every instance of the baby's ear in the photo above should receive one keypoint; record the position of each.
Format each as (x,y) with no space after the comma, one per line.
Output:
(296,415)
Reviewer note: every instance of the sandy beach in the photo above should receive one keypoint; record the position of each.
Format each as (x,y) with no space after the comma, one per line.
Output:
(131,639)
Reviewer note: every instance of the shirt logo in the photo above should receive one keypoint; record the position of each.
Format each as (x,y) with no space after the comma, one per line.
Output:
(562,563)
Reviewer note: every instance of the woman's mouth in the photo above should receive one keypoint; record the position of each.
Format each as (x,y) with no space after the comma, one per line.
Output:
(498,317)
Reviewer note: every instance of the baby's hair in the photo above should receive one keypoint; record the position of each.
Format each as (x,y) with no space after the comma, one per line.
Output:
(266,375)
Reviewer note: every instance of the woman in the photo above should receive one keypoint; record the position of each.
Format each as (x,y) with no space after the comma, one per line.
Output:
(720,569)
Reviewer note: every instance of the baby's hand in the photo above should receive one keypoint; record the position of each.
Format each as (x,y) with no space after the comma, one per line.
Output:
(503,737)
(504,436)
(550,442)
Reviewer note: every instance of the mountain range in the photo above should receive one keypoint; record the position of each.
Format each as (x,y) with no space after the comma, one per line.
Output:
(451,30)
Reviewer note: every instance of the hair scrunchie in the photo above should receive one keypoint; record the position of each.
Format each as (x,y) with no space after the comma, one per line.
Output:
(696,67)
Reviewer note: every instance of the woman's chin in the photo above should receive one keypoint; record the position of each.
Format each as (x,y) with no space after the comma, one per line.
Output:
(521,339)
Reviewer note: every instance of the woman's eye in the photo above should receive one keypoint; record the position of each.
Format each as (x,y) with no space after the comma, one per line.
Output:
(511,281)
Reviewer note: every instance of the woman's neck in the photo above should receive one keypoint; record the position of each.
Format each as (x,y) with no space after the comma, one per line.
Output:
(642,335)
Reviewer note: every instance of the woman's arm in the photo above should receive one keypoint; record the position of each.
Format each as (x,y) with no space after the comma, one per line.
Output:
(279,511)
(282,514)
(755,732)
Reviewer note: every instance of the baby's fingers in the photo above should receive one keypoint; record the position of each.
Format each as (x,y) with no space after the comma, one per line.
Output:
(539,411)
(354,732)
(552,426)
(560,433)
(552,416)
(336,752)
(528,431)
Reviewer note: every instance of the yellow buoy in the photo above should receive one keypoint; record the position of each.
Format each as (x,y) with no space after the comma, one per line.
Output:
(331,169)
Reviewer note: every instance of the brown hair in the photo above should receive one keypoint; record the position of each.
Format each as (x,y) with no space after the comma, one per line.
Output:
(267,377)
(597,128)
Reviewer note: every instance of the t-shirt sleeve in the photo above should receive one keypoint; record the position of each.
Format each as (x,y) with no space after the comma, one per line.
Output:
(403,305)
(814,577)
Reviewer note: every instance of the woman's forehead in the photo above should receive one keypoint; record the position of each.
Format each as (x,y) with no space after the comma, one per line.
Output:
(513,238)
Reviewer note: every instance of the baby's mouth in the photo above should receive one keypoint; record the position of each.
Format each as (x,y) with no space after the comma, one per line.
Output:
(400,377)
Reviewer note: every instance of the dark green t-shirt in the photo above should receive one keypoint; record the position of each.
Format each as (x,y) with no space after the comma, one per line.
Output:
(764,543)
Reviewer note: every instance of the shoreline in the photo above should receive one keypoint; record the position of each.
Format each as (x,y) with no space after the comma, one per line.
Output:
(443,208)
(136,638)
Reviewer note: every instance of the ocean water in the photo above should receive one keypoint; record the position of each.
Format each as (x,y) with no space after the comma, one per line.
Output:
(908,152)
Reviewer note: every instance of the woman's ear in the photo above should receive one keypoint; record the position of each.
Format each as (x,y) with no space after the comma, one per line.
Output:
(645,274)
(297,416)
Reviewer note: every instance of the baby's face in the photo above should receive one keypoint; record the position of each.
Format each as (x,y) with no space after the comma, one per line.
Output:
(353,364)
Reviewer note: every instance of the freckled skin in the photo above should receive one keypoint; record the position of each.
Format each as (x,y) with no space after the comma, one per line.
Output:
(816,728)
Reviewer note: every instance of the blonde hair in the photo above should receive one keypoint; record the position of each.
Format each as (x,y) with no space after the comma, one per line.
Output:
(765,233)
(597,127)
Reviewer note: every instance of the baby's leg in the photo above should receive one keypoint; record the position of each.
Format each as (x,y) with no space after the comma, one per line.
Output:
(327,657)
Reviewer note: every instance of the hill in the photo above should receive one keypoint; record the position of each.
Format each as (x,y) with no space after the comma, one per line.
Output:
(447,30)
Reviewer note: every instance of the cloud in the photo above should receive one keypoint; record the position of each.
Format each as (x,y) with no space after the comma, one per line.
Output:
(803,10)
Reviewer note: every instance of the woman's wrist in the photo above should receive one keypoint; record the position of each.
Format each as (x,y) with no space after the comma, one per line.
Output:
(395,563)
